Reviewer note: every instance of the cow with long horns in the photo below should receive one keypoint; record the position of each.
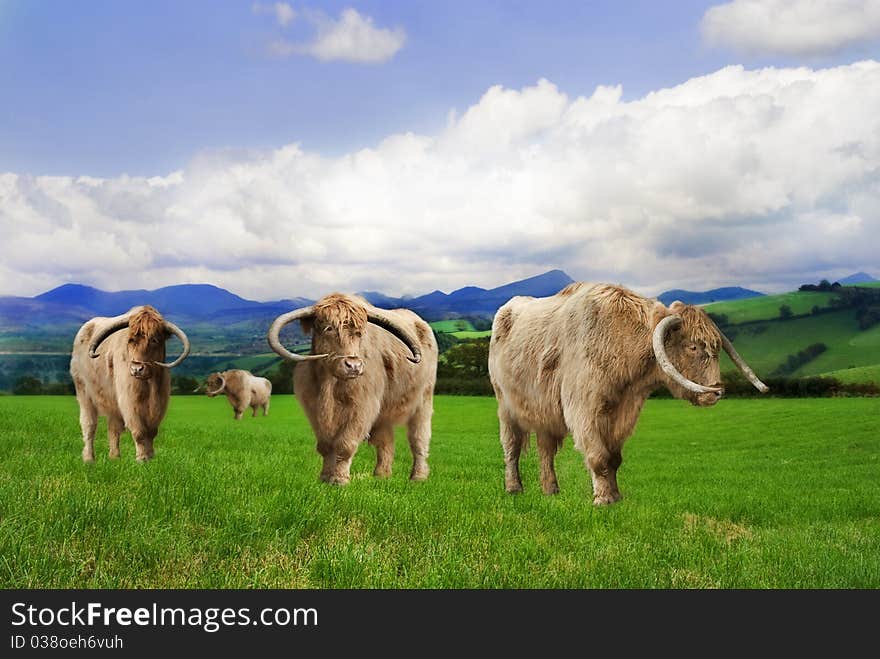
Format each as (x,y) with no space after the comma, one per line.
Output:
(119,371)
(242,389)
(370,369)
(583,362)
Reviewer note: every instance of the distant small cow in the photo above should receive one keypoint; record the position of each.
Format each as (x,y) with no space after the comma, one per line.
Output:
(128,380)
(243,389)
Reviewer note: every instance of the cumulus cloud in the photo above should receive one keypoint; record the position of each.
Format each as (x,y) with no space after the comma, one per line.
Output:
(350,38)
(792,27)
(765,178)
(283,12)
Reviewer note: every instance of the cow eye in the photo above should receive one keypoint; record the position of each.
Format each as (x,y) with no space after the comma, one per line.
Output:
(329,328)
(693,348)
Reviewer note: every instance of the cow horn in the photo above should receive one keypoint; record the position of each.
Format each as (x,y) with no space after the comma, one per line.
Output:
(222,386)
(99,338)
(659,339)
(174,329)
(741,364)
(386,322)
(275,330)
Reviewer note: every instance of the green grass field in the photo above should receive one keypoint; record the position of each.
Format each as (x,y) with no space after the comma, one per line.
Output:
(751,494)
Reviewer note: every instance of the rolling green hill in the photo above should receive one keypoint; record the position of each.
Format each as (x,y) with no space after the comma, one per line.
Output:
(857,374)
(767,307)
(766,345)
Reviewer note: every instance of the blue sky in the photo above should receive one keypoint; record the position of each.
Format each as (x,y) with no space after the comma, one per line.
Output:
(196,91)
(105,88)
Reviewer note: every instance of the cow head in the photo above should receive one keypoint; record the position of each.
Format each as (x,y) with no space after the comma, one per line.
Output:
(687,345)
(145,348)
(338,324)
(215,384)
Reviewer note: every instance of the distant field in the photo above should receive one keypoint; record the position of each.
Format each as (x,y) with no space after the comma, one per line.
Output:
(767,307)
(257,363)
(857,374)
(750,494)
(766,346)
(472,335)
(452,326)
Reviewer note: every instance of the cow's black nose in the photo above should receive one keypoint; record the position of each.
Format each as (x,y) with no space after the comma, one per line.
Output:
(353,364)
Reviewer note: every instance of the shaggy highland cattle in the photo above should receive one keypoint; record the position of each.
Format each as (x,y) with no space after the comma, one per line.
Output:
(370,369)
(119,371)
(243,389)
(583,361)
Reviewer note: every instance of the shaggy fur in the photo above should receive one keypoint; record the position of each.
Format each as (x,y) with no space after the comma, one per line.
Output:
(106,387)
(581,363)
(391,391)
(243,389)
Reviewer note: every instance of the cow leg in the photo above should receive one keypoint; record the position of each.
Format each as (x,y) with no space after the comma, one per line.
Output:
(418,431)
(603,466)
(266,408)
(342,469)
(611,429)
(143,443)
(254,411)
(88,422)
(512,439)
(115,427)
(548,445)
(382,437)
(325,449)
(337,461)
(237,413)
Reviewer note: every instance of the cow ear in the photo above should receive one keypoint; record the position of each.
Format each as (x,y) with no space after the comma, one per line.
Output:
(307,324)
(658,313)
(676,306)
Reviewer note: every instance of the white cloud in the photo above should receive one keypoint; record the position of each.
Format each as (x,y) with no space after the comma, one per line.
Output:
(792,27)
(765,178)
(351,38)
(283,12)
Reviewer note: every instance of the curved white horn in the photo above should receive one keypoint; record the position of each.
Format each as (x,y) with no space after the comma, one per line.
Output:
(658,341)
(275,330)
(174,329)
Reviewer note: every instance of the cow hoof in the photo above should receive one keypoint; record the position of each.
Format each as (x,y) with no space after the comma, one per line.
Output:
(339,480)
(382,473)
(89,459)
(113,456)
(552,489)
(606,500)
(419,476)
(515,488)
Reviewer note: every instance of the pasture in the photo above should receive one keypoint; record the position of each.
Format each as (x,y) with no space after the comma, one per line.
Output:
(769,493)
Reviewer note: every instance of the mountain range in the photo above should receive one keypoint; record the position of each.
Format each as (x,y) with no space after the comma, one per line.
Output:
(207,303)
(204,303)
